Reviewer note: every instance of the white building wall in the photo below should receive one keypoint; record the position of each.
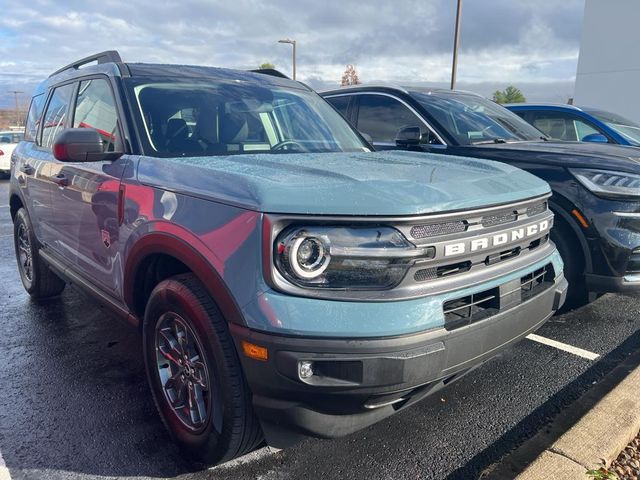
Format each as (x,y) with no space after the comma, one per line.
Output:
(608,73)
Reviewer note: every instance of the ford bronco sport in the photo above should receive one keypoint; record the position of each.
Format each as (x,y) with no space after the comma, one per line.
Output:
(287,281)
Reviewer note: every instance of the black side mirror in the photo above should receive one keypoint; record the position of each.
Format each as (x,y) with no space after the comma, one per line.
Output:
(408,137)
(81,145)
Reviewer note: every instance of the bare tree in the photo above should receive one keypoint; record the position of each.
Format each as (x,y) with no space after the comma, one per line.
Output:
(350,77)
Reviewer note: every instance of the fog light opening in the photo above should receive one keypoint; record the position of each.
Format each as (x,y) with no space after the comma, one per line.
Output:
(305,370)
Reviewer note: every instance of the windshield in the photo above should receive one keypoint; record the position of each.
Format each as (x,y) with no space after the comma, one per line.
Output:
(471,119)
(227,118)
(628,129)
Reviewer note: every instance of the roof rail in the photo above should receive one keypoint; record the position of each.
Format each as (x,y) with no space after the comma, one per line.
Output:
(109,56)
(270,71)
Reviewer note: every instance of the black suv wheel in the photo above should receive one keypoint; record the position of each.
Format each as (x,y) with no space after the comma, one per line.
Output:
(195,374)
(38,280)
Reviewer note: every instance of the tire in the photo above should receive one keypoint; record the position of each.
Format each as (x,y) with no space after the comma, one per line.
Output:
(37,278)
(574,266)
(181,313)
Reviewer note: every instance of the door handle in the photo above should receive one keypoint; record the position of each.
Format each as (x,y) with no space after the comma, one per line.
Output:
(61,180)
(27,169)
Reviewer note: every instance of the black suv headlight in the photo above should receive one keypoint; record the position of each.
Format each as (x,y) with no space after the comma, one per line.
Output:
(607,183)
(345,258)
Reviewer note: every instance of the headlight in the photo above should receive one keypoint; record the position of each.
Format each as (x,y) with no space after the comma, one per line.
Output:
(606,183)
(345,258)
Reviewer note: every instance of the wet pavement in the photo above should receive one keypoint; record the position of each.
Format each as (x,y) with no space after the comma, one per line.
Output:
(74,403)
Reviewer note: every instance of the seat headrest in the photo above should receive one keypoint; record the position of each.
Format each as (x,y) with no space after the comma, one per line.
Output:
(177,129)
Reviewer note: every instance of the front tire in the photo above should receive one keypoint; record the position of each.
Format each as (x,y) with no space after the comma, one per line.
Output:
(195,375)
(38,280)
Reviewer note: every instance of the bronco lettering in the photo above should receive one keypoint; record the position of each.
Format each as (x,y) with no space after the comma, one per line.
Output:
(501,238)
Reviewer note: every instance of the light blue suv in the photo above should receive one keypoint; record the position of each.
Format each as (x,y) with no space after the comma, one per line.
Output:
(287,280)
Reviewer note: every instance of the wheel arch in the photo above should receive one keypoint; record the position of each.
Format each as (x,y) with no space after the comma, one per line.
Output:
(172,255)
(15,204)
(562,213)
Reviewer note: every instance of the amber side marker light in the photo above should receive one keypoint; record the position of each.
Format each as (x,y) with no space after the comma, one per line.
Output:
(580,218)
(255,351)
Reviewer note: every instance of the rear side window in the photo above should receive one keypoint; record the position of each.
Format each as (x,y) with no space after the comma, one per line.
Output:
(96,108)
(33,117)
(382,117)
(55,118)
(340,103)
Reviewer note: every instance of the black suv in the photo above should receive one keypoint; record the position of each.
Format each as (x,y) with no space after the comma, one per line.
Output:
(596,188)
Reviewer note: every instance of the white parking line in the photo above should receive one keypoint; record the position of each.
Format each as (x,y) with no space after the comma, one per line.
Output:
(4,206)
(7,235)
(248,458)
(4,471)
(563,346)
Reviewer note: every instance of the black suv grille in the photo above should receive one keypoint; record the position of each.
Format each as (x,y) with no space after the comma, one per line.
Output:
(466,310)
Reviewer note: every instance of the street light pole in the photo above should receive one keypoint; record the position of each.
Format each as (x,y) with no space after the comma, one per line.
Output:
(456,41)
(293,44)
(15,96)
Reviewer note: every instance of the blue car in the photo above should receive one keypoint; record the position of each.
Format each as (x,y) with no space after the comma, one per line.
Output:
(582,124)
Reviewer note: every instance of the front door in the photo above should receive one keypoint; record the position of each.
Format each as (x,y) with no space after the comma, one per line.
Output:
(86,197)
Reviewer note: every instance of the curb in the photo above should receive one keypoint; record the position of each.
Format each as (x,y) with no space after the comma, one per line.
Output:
(593,431)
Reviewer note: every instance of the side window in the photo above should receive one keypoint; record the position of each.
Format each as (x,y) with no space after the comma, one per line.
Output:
(382,117)
(33,117)
(55,118)
(340,103)
(583,129)
(561,126)
(96,108)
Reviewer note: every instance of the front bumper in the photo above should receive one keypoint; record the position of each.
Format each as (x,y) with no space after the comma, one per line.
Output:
(357,382)
(613,244)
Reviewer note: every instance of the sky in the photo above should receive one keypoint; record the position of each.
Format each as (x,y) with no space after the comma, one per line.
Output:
(533,45)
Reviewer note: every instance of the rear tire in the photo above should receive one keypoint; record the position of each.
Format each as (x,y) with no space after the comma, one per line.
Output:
(38,280)
(574,266)
(181,317)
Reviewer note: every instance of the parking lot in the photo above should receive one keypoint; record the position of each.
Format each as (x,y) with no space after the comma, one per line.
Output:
(74,402)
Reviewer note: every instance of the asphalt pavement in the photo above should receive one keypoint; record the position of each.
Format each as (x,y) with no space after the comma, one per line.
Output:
(74,403)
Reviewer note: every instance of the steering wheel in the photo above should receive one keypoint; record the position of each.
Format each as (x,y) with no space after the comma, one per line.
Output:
(285,143)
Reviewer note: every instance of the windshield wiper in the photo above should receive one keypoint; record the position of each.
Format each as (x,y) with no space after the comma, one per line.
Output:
(493,140)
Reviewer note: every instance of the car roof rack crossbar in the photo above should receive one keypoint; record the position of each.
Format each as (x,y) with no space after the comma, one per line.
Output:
(269,71)
(108,56)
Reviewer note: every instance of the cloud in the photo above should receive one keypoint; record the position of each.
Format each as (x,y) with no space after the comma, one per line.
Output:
(501,40)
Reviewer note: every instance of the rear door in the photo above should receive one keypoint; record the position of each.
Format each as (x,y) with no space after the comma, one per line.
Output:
(86,197)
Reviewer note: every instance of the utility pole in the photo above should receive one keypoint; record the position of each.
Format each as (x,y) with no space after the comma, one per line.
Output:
(293,44)
(15,96)
(456,41)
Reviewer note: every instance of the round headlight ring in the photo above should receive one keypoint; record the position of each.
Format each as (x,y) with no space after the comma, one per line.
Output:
(308,257)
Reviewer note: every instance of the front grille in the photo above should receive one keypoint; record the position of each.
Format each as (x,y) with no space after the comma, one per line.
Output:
(536,209)
(437,229)
(499,219)
(472,308)
(536,282)
(469,309)
(431,273)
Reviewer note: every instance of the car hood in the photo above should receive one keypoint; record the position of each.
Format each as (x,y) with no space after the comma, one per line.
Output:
(567,154)
(364,183)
